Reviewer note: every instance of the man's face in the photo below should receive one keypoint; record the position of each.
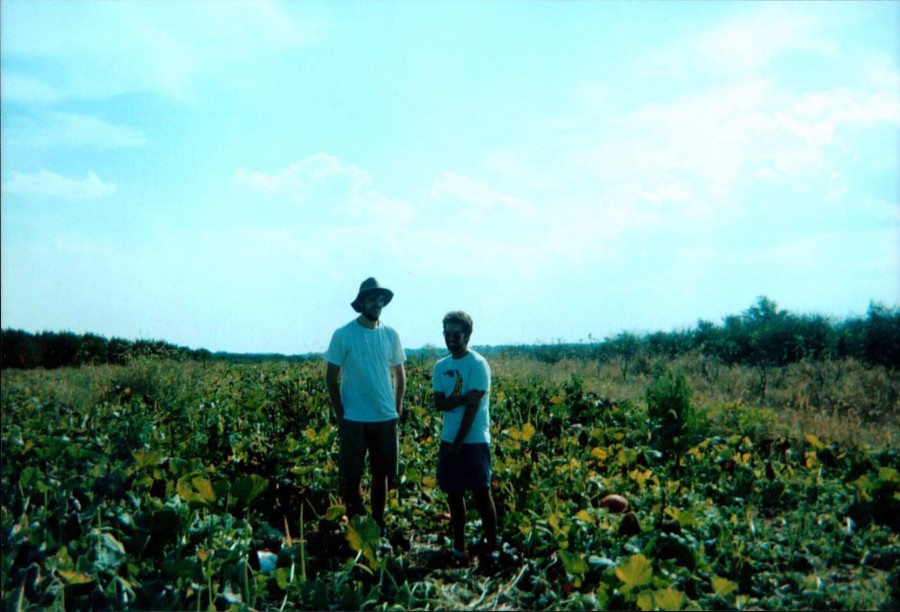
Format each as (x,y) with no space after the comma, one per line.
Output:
(372,305)
(456,338)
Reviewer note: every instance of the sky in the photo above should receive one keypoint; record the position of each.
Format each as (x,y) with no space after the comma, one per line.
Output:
(224,175)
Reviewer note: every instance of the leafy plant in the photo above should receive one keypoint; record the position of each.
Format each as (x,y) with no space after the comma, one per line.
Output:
(669,407)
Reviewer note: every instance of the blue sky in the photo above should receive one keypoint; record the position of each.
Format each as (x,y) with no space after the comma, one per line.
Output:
(225,174)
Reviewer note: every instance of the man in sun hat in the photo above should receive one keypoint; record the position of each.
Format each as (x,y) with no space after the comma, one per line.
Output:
(366,380)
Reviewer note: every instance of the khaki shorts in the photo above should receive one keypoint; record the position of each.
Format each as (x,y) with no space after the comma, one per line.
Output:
(378,439)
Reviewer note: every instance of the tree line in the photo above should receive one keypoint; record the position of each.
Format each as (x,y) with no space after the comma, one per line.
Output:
(46,349)
(763,336)
(25,350)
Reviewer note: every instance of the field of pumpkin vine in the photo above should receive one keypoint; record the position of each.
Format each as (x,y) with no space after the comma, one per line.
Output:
(195,486)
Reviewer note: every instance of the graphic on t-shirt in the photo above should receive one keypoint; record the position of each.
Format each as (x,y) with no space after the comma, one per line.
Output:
(457,389)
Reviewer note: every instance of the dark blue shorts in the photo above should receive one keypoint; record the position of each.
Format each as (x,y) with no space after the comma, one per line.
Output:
(378,440)
(469,470)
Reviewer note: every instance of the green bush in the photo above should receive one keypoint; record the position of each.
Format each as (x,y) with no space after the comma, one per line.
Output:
(672,418)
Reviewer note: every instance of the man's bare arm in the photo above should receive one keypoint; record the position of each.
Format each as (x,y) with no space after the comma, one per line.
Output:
(399,373)
(444,403)
(465,426)
(333,381)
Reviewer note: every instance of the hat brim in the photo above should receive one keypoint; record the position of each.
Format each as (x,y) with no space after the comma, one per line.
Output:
(357,303)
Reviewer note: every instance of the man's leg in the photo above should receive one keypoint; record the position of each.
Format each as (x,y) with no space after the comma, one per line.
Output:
(351,462)
(379,498)
(458,519)
(353,497)
(488,512)
(381,440)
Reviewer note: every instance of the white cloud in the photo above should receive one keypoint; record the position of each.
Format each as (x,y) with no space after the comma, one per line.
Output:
(322,182)
(15,87)
(475,202)
(695,148)
(692,152)
(45,184)
(743,47)
(883,75)
(507,236)
(817,116)
(487,231)
(883,211)
(751,41)
(805,252)
(147,46)
(299,179)
(54,129)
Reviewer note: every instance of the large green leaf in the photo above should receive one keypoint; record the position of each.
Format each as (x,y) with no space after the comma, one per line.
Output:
(636,571)
(248,488)
(574,564)
(723,586)
(335,512)
(363,531)
(669,599)
(74,577)
(108,553)
(144,458)
(196,490)
(364,535)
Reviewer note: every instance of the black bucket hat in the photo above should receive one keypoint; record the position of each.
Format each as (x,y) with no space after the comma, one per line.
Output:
(370,285)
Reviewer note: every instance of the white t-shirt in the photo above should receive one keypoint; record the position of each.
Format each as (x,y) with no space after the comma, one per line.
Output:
(456,377)
(366,357)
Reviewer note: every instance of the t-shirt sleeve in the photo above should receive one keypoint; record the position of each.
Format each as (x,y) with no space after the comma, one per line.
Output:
(399,355)
(436,379)
(335,353)
(481,376)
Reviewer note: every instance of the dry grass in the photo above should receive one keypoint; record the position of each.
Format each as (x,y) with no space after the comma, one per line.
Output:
(841,401)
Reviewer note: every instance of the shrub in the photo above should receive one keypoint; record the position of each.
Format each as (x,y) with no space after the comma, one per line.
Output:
(672,418)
